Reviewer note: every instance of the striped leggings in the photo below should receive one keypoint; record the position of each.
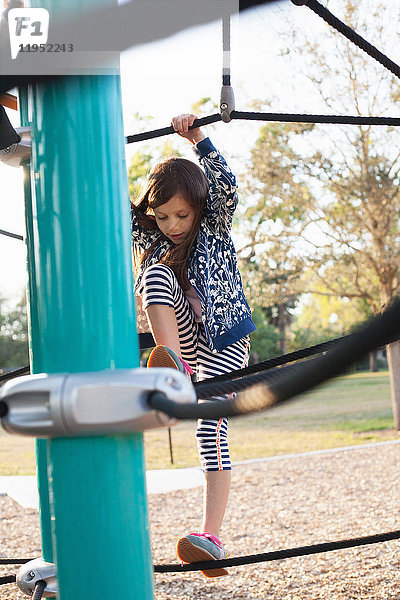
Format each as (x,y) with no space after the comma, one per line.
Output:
(160,286)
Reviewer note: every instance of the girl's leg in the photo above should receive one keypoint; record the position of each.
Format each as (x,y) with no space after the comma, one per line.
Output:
(163,325)
(212,435)
(169,313)
(215,500)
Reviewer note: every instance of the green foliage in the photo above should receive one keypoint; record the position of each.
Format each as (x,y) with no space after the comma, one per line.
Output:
(13,335)
(144,159)
(265,339)
(138,171)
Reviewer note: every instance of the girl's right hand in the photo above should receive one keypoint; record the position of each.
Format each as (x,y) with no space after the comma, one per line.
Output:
(181,124)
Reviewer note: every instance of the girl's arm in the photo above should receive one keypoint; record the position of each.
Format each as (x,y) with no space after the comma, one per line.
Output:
(222,198)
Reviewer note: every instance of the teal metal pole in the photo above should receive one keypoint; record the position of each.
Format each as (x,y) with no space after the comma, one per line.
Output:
(35,346)
(85,312)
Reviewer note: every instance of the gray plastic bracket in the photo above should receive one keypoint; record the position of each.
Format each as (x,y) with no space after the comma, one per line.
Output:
(101,402)
(38,570)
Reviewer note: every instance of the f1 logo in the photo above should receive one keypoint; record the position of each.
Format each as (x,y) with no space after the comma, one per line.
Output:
(27,26)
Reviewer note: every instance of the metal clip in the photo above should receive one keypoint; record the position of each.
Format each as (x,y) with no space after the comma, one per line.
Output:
(38,570)
(227,103)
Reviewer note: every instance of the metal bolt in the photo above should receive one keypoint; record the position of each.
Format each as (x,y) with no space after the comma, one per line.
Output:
(224,106)
(31,575)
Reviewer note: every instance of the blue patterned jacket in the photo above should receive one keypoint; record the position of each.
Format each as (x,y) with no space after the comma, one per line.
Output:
(212,265)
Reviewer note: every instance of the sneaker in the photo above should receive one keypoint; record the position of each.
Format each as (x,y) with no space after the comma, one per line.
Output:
(162,356)
(196,547)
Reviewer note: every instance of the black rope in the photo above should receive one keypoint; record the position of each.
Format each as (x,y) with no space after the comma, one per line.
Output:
(238,561)
(292,380)
(303,118)
(274,117)
(280,554)
(13,235)
(39,589)
(14,561)
(8,579)
(276,361)
(350,34)
(148,135)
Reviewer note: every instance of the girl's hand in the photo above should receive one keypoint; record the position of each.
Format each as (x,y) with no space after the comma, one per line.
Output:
(181,124)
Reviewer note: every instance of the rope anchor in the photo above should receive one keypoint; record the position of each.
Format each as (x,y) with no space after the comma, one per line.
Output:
(38,577)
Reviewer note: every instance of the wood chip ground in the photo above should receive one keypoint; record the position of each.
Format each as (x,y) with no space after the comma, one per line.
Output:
(273,505)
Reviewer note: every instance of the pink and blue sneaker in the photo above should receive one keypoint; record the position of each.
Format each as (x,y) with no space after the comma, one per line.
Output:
(196,547)
(162,356)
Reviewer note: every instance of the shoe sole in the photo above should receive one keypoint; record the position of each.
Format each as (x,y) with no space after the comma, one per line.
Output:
(159,357)
(189,553)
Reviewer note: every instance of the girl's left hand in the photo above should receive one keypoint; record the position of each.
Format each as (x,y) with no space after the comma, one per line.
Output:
(181,124)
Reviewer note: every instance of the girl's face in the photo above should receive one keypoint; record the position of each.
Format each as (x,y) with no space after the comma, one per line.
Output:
(175,218)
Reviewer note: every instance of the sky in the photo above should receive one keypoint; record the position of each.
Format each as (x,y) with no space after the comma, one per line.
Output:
(164,79)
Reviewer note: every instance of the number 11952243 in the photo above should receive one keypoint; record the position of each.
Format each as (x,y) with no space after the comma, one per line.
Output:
(46,47)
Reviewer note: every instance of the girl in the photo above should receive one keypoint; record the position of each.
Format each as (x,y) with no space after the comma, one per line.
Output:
(191,292)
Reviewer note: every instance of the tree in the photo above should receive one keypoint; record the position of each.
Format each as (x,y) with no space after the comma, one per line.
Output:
(355,171)
(273,212)
(13,335)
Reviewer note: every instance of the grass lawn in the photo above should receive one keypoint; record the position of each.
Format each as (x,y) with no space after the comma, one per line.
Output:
(355,409)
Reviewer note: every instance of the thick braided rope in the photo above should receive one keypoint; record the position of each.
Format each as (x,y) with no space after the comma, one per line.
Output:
(276,361)
(7,579)
(273,117)
(262,366)
(304,118)
(350,34)
(292,380)
(263,374)
(237,561)
(39,590)
(280,554)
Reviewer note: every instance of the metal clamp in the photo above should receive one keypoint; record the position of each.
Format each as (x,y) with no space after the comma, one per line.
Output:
(227,103)
(102,402)
(19,153)
(38,570)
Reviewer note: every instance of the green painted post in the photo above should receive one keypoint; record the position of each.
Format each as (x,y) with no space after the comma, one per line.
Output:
(85,315)
(35,345)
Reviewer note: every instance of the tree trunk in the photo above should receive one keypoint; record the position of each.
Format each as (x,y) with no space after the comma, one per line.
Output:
(373,363)
(282,327)
(393,357)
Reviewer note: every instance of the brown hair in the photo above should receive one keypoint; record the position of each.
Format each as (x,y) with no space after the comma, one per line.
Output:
(170,177)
